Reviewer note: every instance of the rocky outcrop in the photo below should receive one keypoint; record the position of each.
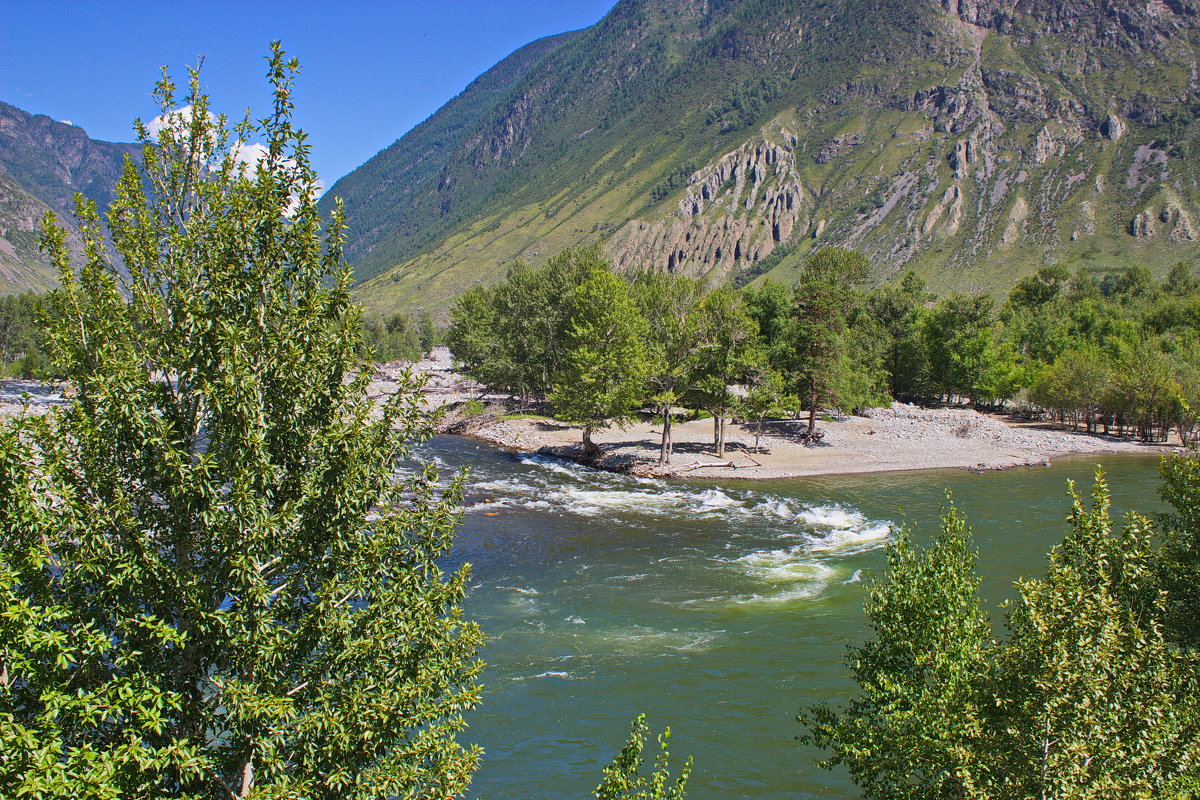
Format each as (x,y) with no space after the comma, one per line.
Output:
(1174,219)
(733,212)
(1177,219)
(1113,128)
(1142,225)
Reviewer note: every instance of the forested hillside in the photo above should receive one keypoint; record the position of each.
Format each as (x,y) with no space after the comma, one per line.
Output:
(972,142)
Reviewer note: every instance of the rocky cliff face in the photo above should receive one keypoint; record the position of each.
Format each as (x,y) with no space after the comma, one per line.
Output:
(43,164)
(734,211)
(23,268)
(1066,130)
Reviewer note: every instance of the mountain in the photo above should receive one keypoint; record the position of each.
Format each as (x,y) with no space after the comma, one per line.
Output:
(972,140)
(43,163)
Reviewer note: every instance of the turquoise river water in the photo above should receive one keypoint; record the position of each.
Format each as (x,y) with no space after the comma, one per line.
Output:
(719,610)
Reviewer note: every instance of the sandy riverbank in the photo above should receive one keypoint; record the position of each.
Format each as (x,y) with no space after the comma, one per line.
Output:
(884,440)
(887,439)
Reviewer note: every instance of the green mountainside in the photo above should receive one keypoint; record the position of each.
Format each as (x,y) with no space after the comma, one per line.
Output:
(972,140)
(43,163)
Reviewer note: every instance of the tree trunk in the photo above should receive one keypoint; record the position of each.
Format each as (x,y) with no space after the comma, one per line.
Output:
(721,433)
(812,411)
(664,453)
(589,447)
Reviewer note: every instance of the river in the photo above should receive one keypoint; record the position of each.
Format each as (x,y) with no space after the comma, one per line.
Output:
(719,610)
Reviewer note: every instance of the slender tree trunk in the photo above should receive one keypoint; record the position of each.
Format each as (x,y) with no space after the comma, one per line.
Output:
(812,410)
(720,433)
(664,453)
(589,447)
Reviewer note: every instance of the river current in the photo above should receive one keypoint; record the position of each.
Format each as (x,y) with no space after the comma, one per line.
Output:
(719,610)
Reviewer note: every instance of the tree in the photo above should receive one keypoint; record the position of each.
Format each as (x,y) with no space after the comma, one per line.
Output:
(1040,288)
(604,369)
(211,582)
(729,351)
(1088,696)
(512,336)
(1181,280)
(898,308)
(911,733)
(822,301)
(623,779)
(670,305)
(766,395)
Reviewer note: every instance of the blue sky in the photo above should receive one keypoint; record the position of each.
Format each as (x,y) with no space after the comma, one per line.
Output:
(370,70)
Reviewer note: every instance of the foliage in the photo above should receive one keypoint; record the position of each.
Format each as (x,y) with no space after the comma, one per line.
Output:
(1087,696)
(23,319)
(211,582)
(823,301)
(604,363)
(911,733)
(729,355)
(511,336)
(396,338)
(670,305)
(623,779)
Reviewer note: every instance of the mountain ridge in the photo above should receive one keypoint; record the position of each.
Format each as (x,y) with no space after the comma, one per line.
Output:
(43,164)
(950,137)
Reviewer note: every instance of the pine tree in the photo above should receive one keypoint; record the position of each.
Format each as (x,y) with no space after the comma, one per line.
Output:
(213,580)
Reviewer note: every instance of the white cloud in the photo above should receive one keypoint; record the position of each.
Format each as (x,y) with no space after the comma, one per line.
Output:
(178,119)
(248,155)
(66,122)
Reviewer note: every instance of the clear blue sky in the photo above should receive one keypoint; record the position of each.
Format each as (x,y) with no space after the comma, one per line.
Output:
(370,70)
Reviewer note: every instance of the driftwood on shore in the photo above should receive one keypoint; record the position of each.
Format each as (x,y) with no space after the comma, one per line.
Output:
(690,467)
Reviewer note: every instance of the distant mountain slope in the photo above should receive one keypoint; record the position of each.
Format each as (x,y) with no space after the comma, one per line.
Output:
(974,140)
(43,164)
(23,268)
(378,193)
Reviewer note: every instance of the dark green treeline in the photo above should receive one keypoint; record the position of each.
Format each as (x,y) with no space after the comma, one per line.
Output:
(1113,352)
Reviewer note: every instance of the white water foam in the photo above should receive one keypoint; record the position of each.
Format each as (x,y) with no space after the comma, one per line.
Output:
(520,590)
(804,571)
(638,638)
(566,676)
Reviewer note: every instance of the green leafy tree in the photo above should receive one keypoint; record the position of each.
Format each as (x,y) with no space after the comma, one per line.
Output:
(1181,280)
(513,336)
(1074,385)
(1040,288)
(623,778)
(604,370)
(1091,699)
(898,308)
(670,305)
(1180,567)
(822,301)
(911,733)
(729,352)
(1088,696)
(212,583)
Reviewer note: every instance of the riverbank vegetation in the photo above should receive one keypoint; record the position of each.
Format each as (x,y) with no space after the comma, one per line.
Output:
(1117,353)
(212,582)
(1090,691)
